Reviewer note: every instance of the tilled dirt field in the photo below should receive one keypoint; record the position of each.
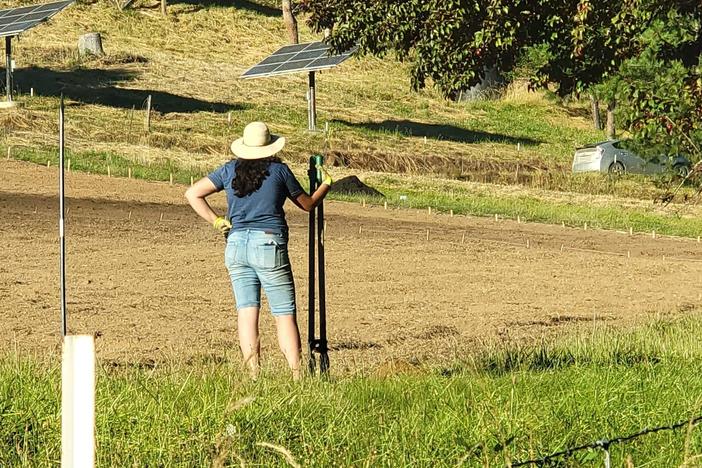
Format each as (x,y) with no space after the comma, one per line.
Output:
(146,276)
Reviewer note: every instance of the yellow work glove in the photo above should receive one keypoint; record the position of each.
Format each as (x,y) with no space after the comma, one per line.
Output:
(326,178)
(222,225)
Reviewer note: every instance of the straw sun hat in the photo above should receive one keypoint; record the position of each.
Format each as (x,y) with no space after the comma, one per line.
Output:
(257,142)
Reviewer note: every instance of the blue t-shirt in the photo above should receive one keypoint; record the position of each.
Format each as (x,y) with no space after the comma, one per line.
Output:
(262,209)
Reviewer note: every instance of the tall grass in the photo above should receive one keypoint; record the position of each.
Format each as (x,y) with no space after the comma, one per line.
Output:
(507,403)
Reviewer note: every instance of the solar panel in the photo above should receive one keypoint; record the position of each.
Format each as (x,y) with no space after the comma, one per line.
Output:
(296,58)
(14,21)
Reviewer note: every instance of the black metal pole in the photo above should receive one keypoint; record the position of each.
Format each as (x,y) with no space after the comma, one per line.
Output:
(8,68)
(323,351)
(312,104)
(311,266)
(322,343)
(62,223)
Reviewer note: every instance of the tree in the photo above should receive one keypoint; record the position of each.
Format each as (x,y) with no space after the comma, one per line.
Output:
(662,87)
(587,43)
(290,22)
(450,42)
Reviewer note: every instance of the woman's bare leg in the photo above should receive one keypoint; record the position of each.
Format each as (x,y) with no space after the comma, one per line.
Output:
(289,341)
(249,342)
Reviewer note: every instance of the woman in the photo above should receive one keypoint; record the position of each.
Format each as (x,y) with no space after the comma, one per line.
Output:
(257,184)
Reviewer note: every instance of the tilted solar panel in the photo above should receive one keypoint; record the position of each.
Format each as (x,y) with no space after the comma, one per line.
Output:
(14,21)
(297,58)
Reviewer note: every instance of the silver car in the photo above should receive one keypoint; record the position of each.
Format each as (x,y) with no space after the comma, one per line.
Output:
(613,157)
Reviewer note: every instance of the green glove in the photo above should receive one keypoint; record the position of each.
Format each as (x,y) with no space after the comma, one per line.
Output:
(222,225)
(326,178)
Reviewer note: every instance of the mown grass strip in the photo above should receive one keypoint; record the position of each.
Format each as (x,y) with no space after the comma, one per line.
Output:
(538,210)
(403,194)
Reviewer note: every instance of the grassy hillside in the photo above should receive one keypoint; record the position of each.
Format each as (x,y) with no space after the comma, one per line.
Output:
(190,62)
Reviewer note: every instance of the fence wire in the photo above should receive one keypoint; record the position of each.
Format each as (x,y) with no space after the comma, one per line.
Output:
(604,444)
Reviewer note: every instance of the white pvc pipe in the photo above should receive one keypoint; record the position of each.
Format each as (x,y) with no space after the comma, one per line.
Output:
(78,402)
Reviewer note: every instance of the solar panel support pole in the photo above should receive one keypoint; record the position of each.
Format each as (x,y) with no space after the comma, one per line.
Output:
(312,104)
(8,67)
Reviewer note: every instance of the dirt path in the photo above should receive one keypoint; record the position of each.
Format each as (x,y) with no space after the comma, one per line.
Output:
(147,277)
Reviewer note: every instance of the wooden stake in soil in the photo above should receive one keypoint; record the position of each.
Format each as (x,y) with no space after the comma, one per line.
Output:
(130,216)
(451,213)
(129,172)
(109,172)
(628,254)
(519,219)
(653,234)
(161,218)
(147,122)
(229,118)
(360,229)
(31,92)
(385,205)
(463,238)
(427,234)
(9,152)
(528,245)
(585,227)
(363,203)
(68,165)
(430,211)
(170,178)
(48,163)
(631,231)
(192,181)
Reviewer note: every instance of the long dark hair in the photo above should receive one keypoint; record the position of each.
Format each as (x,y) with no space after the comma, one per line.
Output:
(250,174)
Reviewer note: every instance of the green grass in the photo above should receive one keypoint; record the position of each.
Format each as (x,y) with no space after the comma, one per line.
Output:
(507,403)
(530,207)
(94,162)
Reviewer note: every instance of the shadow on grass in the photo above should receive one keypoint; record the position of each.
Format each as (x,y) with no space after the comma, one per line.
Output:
(545,359)
(438,132)
(98,86)
(584,112)
(260,8)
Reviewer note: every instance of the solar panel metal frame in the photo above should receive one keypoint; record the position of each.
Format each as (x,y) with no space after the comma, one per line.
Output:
(14,21)
(309,57)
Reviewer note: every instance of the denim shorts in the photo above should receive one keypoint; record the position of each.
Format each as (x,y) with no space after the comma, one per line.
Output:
(258,258)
